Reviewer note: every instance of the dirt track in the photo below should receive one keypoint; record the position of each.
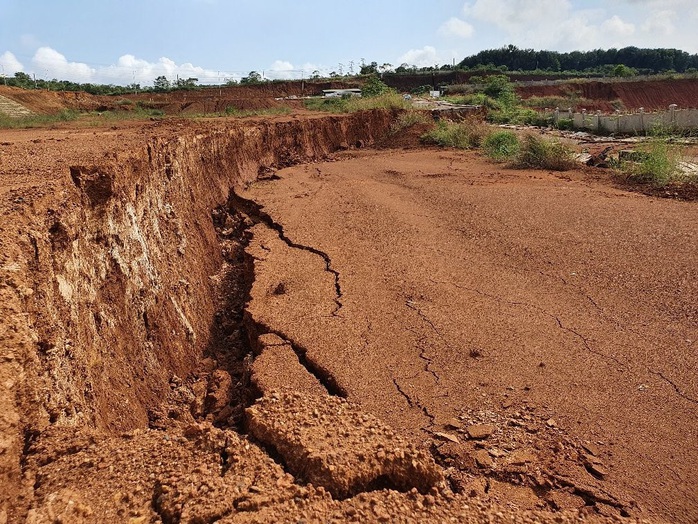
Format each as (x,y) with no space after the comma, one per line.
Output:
(467,288)
(528,338)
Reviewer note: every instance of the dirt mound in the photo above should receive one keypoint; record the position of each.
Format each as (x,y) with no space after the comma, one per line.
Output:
(49,102)
(606,96)
(359,453)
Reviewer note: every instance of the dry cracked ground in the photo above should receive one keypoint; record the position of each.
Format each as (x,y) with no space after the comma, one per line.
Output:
(272,321)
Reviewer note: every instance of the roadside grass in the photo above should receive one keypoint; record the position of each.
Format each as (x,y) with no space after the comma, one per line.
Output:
(8,122)
(657,164)
(461,135)
(409,118)
(241,113)
(387,100)
(501,146)
(540,153)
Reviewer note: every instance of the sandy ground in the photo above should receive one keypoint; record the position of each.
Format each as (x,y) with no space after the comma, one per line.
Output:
(470,291)
(509,342)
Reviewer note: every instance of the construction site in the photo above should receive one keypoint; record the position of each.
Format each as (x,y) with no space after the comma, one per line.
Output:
(317,317)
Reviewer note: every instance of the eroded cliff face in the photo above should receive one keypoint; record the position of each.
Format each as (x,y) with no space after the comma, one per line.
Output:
(108,277)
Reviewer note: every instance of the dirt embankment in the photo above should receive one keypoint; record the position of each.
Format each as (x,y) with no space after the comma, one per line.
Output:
(134,340)
(649,94)
(204,100)
(108,250)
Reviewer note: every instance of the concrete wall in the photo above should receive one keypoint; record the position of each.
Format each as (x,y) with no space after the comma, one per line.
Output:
(673,119)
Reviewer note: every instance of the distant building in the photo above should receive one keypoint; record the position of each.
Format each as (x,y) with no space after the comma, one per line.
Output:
(339,93)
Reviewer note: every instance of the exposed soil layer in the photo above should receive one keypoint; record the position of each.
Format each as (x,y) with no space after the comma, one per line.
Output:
(608,96)
(204,100)
(558,310)
(236,322)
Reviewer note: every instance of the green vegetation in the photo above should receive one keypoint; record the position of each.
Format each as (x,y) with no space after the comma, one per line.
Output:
(633,60)
(537,152)
(501,145)
(409,118)
(7,122)
(241,113)
(531,152)
(656,162)
(463,135)
(496,94)
(374,87)
(350,104)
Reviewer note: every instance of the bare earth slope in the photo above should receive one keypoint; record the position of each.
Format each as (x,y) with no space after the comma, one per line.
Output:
(233,320)
(467,290)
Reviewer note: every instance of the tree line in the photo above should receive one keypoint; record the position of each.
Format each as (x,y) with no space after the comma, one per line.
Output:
(644,61)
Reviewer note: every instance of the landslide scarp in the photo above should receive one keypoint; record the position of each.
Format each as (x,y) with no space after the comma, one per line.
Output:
(121,290)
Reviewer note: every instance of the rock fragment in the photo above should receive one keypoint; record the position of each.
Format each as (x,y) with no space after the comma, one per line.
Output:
(480,431)
(330,443)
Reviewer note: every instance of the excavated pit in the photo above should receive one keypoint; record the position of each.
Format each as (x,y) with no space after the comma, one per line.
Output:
(127,291)
(137,385)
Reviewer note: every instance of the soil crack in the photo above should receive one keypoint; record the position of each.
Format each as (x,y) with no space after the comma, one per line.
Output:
(420,342)
(676,388)
(328,381)
(256,213)
(539,309)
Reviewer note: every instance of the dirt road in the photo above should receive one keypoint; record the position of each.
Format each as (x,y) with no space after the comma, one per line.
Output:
(442,290)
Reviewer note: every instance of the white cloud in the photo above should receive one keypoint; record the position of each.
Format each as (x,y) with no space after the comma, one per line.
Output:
(661,22)
(566,25)
(617,26)
(10,64)
(427,56)
(49,63)
(456,27)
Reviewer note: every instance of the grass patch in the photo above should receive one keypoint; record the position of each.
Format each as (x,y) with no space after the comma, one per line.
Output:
(409,118)
(7,122)
(501,145)
(541,153)
(657,164)
(463,135)
(388,100)
(241,113)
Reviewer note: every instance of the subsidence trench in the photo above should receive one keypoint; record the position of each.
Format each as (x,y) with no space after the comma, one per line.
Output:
(133,317)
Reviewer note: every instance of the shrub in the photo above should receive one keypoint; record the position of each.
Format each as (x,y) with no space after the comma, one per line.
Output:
(658,164)
(388,100)
(409,118)
(565,124)
(374,86)
(464,135)
(421,90)
(540,153)
(501,145)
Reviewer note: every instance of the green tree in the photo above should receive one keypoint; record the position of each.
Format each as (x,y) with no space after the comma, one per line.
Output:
(369,69)
(161,83)
(498,86)
(189,83)
(373,87)
(623,71)
(253,78)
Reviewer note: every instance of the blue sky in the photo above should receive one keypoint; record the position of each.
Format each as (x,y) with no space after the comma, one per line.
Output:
(214,40)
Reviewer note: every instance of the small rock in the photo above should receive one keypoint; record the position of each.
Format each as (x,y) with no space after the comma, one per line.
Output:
(593,449)
(454,424)
(483,459)
(480,431)
(551,423)
(598,470)
(521,457)
(447,436)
